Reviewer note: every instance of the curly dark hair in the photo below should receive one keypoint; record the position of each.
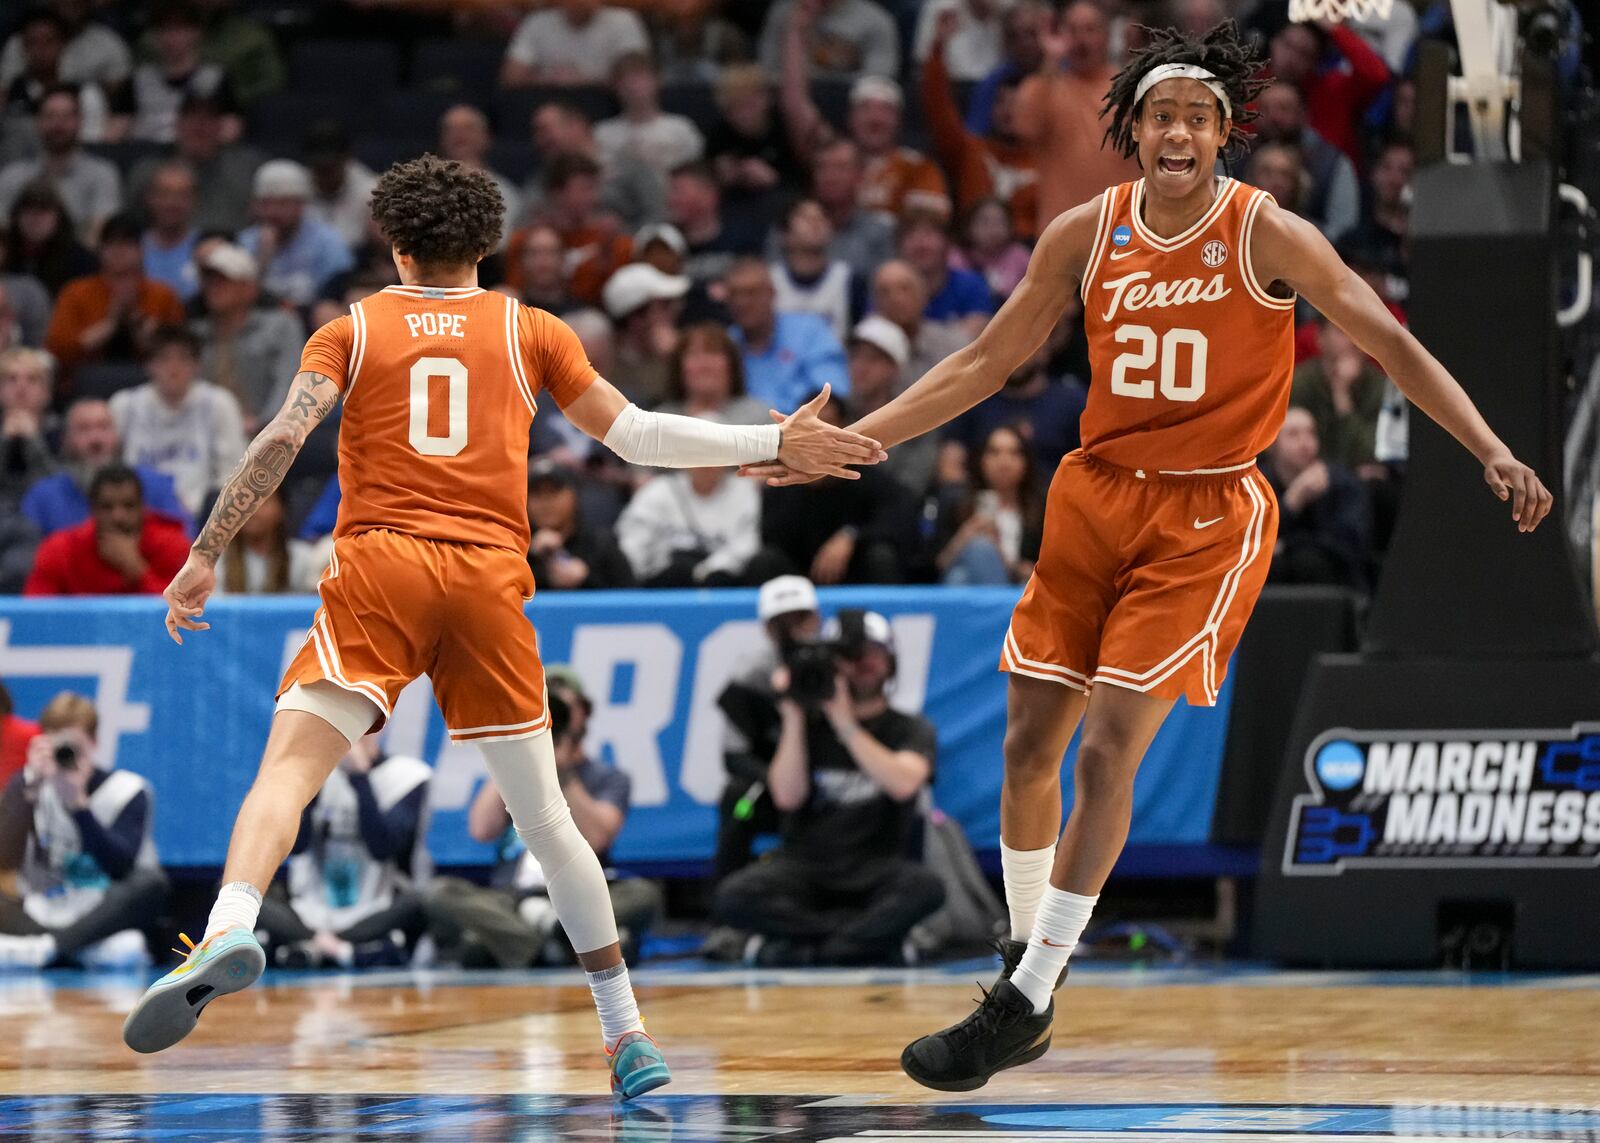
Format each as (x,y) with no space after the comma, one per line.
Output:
(439,212)
(1222,51)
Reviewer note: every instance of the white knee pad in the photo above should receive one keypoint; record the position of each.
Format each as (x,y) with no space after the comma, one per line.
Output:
(524,771)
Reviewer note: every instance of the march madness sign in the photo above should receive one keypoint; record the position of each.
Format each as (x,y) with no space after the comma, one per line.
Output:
(1408,799)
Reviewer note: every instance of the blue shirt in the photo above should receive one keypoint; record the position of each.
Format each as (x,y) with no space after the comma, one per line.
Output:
(324,514)
(56,502)
(173,265)
(801,358)
(1049,419)
(303,266)
(964,293)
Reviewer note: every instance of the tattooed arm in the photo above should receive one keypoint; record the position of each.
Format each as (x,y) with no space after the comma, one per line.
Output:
(267,460)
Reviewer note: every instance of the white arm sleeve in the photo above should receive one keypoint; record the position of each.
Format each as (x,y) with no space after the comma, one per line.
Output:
(666,440)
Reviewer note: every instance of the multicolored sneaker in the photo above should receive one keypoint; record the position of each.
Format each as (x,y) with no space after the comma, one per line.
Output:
(170,1008)
(637,1066)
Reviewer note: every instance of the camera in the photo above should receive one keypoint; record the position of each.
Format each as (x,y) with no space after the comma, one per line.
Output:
(66,756)
(813,664)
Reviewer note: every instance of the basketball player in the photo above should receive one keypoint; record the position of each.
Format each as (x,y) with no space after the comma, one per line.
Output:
(429,571)
(1159,530)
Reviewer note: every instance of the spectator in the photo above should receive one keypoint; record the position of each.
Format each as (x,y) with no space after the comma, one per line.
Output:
(749,148)
(900,294)
(244,46)
(359,866)
(694,207)
(301,256)
(807,280)
(787,357)
(664,142)
(249,349)
(1047,410)
(849,773)
(706,379)
(645,304)
(842,39)
(77,836)
(565,553)
(991,250)
(465,137)
(93,52)
(158,87)
(25,423)
(879,352)
(1022,33)
(863,239)
(170,240)
(111,316)
(981,167)
(40,242)
(592,235)
(1384,228)
(122,549)
(954,295)
(24,307)
(176,423)
(1336,93)
(224,171)
(543,271)
(992,535)
(895,177)
(696,528)
(89,442)
(341,186)
(629,188)
(44,39)
(969,47)
(1276,168)
(90,187)
(263,560)
(16,733)
(1332,200)
(1344,393)
(1324,527)
(1058,114)
(693,44)
(10,327)
(572,42)
(787,609)
(511,924)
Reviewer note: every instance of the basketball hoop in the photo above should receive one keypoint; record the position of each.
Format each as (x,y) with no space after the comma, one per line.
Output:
(1336,11)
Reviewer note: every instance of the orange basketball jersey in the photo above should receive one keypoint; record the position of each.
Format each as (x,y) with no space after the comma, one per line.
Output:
(1192,357)
(439,389)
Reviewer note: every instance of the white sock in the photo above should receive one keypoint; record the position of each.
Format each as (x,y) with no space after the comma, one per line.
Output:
(1026,873)
(613,1000)
(1062,919)
(238,903)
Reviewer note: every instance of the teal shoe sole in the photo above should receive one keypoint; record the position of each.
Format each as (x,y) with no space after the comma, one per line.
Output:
(169,1010)
(645,1079)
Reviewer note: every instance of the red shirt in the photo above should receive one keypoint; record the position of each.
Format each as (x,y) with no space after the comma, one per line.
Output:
(15,734)
(1337,97)
(69,563)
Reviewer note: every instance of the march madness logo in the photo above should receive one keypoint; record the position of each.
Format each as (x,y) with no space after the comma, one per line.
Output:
(1393,799)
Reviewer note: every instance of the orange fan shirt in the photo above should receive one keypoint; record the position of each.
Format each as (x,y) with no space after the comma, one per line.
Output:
(439,394)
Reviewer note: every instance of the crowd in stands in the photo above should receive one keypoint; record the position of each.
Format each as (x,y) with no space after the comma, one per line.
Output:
(733,204)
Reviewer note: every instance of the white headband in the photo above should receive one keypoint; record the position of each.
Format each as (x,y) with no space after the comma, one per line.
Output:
(1183,71)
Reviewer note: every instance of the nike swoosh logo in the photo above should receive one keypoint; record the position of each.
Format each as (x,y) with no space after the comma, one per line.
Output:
(1208,523)
(1117,256)
(1052,944)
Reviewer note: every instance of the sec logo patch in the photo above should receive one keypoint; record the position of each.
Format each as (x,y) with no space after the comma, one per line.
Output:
(1214,254)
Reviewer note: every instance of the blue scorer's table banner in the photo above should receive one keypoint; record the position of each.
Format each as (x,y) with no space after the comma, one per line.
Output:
(193,719)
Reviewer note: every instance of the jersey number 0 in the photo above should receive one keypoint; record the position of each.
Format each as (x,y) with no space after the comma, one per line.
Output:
(455,375)
(1168,348)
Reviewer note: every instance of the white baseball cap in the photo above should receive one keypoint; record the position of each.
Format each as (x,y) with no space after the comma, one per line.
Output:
(876,87)
(873,625)
(662,232)
(281,178)
(637,284)
(881,333)
(232,262)
(784,595)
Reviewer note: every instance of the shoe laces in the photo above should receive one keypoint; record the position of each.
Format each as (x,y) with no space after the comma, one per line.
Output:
(188,946)
(985,1020)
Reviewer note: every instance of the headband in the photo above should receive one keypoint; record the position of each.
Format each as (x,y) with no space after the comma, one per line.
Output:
(1183,71)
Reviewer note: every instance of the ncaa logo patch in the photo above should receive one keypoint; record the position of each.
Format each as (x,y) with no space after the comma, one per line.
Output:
(1214,253)
(1121,236)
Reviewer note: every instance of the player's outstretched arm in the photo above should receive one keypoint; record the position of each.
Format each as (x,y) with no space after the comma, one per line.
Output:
(979,369)
(801,440)
(311,398)
(1289,249)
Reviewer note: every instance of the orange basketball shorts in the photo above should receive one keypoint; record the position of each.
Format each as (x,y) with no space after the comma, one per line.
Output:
(1144,580)
(395,607)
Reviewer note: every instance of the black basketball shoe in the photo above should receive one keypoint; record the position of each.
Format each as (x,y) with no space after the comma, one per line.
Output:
(1002,1033)
(1011,956)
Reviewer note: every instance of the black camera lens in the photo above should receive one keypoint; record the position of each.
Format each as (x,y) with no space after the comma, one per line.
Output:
(66,755)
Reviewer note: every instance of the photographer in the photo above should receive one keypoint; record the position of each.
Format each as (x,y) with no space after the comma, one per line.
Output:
(847,775)
(77,861)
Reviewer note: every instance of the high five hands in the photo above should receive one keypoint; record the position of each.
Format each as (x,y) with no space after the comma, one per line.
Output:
(811,448)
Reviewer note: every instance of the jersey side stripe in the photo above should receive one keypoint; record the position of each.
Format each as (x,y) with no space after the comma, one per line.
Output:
(1257,290)
(1108,212)
(514,350)
(358,346)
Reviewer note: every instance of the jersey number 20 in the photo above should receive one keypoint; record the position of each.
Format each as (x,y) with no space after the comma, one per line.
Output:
(1169,347)
(455,375)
